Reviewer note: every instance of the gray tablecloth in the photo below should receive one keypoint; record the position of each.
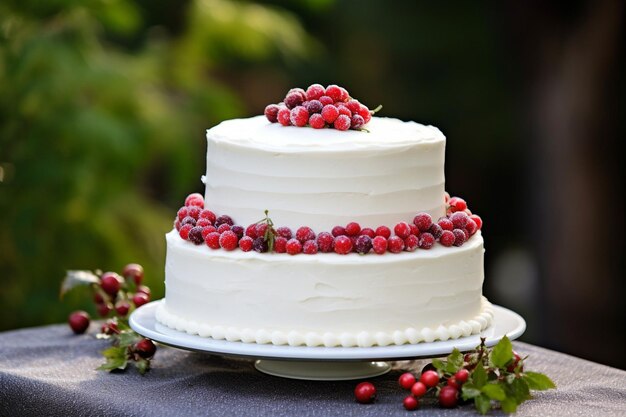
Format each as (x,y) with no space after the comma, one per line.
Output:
(49,371)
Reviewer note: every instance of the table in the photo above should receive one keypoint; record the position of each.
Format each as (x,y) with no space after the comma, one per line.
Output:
(49,371)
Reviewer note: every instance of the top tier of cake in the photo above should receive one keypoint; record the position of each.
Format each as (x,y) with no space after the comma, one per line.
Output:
(323,178)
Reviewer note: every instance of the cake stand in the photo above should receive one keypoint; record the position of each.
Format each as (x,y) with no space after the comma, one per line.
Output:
(323,363)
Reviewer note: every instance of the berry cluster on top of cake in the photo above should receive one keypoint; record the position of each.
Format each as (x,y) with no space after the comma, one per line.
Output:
(365,185)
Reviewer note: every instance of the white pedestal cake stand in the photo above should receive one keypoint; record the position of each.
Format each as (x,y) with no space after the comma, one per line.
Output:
(323,363)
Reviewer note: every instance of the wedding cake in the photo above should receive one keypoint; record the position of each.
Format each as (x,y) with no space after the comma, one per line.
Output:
(321,230)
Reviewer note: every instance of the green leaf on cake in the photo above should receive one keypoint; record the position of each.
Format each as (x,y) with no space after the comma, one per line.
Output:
(502,353)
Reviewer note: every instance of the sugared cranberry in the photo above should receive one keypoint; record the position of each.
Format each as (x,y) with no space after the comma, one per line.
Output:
(418,389)
(461,376)
(223,228)
(194,200)
(395,244)
(104,309)
(140,299)
(293,247)
(353,106)
(330,113)
(78,321)
(212,240)
(406,380)
(145,348)
(338,231)
(426,240)
(411,243)
(206,230)
(182,213)
(195,235)
(365,392)
(414,230)
(435,230)
(379,243)
(429,378)
(410,403)
(344,94)
(325,100)
(177,224)
(284,116)
(317,121)
(342,122)
(293,100)
(368,231)
(251,231)
(271,112)
(203,223)
(447,238)
(343,110)
(315,91)
(457,204)
(459,219)
(314,106)
(228,240)
(238,230)
(188,220)
(365,113)
(363,244)
(477,220)
(448,397)
(245,243)
(310,247)
(110,283)
(280,244)
(284,232)
(445,223)
(383,231)
(471,227)
(259,245)
(353,229)
(305,233)
(423,221)
(122,307)
(223,219)
(325,242)
(207,214)
(402,230)
(194,212)
(261,228)
(342,245)
(299,116)
(356,122)
(334,91)
(459,237)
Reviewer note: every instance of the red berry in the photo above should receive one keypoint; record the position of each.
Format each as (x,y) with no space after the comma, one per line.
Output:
(418,389)
(446,196)
(182,213)
(356,122)
(429,378)
(343,110)
(368,231)
(144,289)
(245,243)
(194,200)
(457,204)
(325,100)
(78,321)
(423,221)
(342,122)
(365,392)
(261,228)
(435,230)
(223,228)
(461,376)
(379,243)
(342,245)
(345,96)
(426,240)
(411,243)
(459,237)
(294,99)
(363,244)
(207,214)
(109,327)
(305,233)
(448,397)
(299,116)
(104,309)
(223,219)
(212,240)
(195,235)
(330,113)
(365,113)
(145,348)
(445,223)
(134,272)
(447,238)
(284,232)
(314,107)
(203,223)
(515,362)
(194,212)
(317,121)
(122,307)
(260,245)
(177,224)
(251,231)
(188,220)
(338,231)
(325,242)
(471,227)
(402,230)
(395,244)
(414,230)
(410,403)
(110,283)
(293,247)
(334,91)
(238,230)
(353,229)
(228,240)
(477,220)
(271,112)
(315,91)
(98,297)
(383,231)
(459,219)
(140,299)
(280,244)
(206,230)
(184,231)
(406,380)
(284,116)
(452,382)
(353,106)
(309,247)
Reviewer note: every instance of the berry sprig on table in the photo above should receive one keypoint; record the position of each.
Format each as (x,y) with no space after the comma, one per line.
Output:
(320,107)
(115,297)
(199,225)
(490,378)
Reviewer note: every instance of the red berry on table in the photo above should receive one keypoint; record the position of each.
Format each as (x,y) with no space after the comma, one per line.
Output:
(245,243)
(447,238)
(271,112)
(284,116)
(402,230)
(325,242)
(134,272)
(342,122)
(325,100)
(411,243)
(410,403)
(140,299)
(461,376)
(223,228)
(435,230)
(356,122)
(477,220)
(457,204)
(293,247)
(419,389)
(365,392)
(317,121)
(395,244)
(334,91)
(122,307)
(459,219)
(228,240)
(423,221)
(330,113)
(212,240)
(426,240)
(379,243)
(353,229)
(284,232)
(182,213)
(207,214)
(78,321)
(383,231)
(310,247)
(194,200)
(406,380)
(280,244)
(459,237)
(515,362)
(315,91)
(342,245)
(294,99)
(195,235)
(314,107)
(445,223)
(223,219)
(145,348)
(104,309)
(110,283)
(448,397)
(299,116)
(338,231)
(143,289)
(429,378)
(305,233)
(363,244)
(452,382)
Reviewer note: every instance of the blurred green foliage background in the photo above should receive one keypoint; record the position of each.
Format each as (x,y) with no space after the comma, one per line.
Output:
(104,104)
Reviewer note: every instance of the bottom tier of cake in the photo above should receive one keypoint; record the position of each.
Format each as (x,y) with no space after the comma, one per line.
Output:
(325,299)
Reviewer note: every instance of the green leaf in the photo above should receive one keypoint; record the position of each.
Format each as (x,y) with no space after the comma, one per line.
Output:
(128,338)
(114,352)
(482,403)
(454,362)
(479,376)
(469,391)
(508,405)
(143,366)
(494,391)
(538,381)
(518,390)
(438,364)
(75,279)
(112,364)
(502,353)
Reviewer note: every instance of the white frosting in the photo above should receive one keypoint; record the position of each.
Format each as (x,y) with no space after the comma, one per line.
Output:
(323,178)
(325,299)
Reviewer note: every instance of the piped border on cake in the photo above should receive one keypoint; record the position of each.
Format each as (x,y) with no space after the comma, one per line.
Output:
(329,339)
